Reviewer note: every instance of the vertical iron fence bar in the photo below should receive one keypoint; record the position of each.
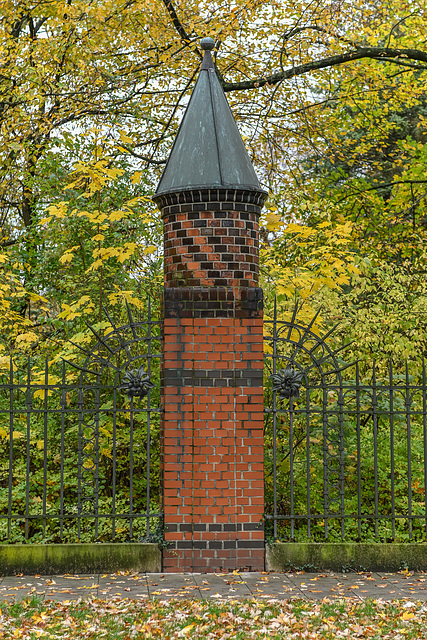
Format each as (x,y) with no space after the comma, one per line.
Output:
(274,424)
(408,439)
(45,406)
(325,458)
(291,463)
(307,417)
(359,456)
(63,403)
(96,437)
(424,394)
(113,531)
(274,466)
(131,471)
(375,434)
(149,338)
(148,497)
(9,508)
(28,402)
(391,419)
(341,431)
(80,400)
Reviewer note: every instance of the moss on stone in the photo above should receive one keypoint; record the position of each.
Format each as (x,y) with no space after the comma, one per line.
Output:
(79,558)
(345,556)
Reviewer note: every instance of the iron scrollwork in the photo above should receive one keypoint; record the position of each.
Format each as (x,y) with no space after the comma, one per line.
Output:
(136,383)
(288,382)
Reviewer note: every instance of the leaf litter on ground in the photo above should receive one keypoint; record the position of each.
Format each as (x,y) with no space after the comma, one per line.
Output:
(126,619)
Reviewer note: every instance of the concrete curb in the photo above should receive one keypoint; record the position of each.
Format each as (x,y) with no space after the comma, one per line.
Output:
(79,558)
(312,556)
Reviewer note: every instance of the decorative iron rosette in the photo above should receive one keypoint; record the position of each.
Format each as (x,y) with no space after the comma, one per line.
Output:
(287,382)
(136,383)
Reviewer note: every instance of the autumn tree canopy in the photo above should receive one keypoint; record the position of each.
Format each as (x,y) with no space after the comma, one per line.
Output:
(330,99)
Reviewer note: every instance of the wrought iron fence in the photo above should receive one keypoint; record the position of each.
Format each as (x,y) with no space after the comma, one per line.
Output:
(79,442)
(346,454)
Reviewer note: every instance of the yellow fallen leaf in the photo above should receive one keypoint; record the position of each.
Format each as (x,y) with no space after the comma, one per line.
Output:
(186,630)
(407,616)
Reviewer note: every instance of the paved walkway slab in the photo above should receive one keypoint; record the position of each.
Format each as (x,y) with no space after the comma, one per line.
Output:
(225,586)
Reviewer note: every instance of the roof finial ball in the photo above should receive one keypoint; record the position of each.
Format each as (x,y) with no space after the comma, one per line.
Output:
(207,44)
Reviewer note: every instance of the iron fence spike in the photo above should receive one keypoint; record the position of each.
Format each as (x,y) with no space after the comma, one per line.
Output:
(98,337)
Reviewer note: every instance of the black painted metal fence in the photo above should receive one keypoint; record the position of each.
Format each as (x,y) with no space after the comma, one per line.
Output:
(346,454)
(79,443)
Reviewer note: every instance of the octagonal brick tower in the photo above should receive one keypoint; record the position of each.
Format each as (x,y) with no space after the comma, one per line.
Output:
(212,457)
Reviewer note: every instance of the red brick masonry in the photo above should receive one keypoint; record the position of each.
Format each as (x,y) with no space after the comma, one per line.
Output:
(211,237)
(212,459)
(213,444)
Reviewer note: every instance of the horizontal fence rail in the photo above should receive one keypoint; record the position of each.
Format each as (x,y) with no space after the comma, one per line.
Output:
(79,443)
(346,456)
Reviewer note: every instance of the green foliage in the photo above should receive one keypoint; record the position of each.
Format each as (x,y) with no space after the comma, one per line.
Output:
(383,312)
(92,97)
(53,410)
(375,447)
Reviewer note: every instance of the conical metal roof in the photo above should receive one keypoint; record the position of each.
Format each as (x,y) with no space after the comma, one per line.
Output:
(208,151)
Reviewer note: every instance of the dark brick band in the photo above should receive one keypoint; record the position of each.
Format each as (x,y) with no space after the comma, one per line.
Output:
(213,378)
(212,302)
(220,544)
(226,527)
(211,200)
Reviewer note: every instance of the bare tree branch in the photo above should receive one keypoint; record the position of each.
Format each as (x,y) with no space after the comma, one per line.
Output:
(179,26)
(374,53)
(8,243)
(378,187)
(148,159)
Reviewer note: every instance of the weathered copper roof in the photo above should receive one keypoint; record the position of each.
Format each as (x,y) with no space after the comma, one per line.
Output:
(208,150)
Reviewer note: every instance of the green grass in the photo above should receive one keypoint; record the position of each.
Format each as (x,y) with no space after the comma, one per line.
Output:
(123,619)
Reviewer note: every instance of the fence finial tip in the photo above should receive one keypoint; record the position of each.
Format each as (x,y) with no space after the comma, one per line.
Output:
(207,44)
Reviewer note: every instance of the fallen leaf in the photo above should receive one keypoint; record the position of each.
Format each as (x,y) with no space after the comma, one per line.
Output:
(407,616)
(186,630)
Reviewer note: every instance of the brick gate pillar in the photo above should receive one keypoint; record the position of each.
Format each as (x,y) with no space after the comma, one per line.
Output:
(212,455)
